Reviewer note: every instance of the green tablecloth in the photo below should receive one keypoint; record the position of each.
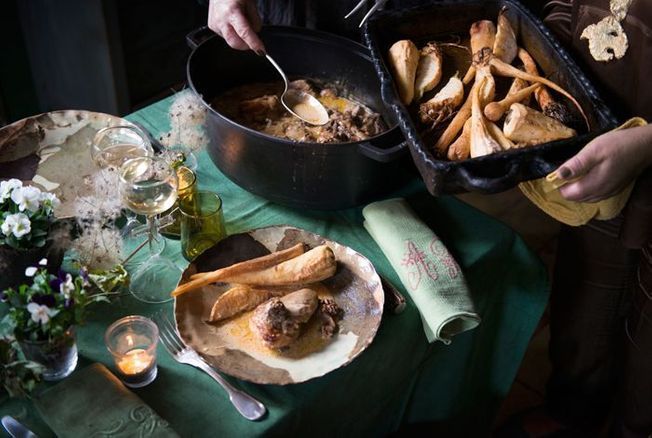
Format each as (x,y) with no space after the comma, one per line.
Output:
(400,380)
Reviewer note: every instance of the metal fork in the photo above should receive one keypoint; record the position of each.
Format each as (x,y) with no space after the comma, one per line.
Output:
(378,4)
(249,407)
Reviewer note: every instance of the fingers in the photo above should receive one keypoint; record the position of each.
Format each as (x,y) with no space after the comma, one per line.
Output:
(594,186)
(246,33)
(237,22)
(579,164)
(233,39)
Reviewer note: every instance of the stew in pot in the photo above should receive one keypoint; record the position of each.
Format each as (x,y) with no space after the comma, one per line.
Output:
(258,106)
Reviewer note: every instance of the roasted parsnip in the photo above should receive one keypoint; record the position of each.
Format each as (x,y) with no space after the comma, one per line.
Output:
(254,264)
(505,47)
(500,68)
(443,104)
(461,148)
(494,111)
(403,60)
(454,127)
(519,84)
(547,103)
(238,299)
(482,143)
(526,126)
(429,70)
(315,265)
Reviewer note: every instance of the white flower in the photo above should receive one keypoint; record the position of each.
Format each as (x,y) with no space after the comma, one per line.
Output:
(18,224)
(40,313)
(67,287)
(43,262)
(7,186)
(49,201)
(27,198)
(30,272)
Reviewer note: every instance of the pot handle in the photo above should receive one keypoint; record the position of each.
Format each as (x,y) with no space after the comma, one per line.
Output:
(383,155)
(195,37)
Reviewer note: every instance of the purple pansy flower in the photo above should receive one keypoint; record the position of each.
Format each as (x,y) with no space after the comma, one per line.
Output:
(45,300)
(55,284)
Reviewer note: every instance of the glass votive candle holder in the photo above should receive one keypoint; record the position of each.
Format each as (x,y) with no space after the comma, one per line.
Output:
(202,222)
(132,341)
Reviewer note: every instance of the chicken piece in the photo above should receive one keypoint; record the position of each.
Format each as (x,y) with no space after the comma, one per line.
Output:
(330,314)
(278,322)
(260,109)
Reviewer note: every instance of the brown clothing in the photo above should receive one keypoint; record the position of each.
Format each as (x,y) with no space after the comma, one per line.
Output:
(601,304)
(623,83)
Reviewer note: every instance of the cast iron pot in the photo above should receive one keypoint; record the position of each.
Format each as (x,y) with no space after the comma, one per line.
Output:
(303,175)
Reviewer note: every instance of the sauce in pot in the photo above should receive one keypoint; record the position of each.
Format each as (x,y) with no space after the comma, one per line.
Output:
(257,106)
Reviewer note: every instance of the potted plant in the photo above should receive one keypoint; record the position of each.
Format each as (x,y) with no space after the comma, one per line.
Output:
(42,316)
(26,224)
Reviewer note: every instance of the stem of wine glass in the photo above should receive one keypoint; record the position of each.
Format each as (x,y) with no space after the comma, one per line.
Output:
(152,234)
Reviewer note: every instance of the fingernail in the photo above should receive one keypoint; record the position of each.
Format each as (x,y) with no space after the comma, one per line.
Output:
(565,172)
(260,52)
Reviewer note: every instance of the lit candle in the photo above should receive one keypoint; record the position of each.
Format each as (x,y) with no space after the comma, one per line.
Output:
(132,342)
(135,361)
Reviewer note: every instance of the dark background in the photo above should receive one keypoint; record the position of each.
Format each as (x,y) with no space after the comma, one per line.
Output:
(111,56)
(115,56)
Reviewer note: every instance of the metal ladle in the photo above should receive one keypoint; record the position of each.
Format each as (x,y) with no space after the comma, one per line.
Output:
(299,103)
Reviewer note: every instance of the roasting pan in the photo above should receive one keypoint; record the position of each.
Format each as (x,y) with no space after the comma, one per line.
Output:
(500,171)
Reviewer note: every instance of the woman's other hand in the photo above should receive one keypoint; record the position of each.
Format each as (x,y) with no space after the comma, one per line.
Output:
(607,164)
(237,21)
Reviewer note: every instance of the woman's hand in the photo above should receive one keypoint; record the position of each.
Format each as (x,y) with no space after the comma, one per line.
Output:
(237,21)
(607,164)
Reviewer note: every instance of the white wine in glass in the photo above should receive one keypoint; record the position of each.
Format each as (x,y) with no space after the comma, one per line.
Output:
(149,186)
(114,145)
(151,193)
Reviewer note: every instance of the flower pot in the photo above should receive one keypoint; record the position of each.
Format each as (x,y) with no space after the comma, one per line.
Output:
(13,263)
(58,357)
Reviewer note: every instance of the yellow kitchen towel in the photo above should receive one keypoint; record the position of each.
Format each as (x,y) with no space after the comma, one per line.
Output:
(544,193)
(429,273)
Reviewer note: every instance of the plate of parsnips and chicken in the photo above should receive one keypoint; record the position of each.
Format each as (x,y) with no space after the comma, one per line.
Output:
(279,305)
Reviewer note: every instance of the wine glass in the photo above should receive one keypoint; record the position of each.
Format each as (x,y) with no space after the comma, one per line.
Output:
(114,145)
(148,186)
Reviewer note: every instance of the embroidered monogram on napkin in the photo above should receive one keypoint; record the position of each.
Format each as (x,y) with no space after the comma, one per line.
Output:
(430,274)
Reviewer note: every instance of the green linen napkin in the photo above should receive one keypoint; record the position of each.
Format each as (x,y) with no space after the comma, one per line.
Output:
(94,403)
(429,273)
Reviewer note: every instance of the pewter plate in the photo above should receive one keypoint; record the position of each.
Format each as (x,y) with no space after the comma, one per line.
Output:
(52,151)
(233,349)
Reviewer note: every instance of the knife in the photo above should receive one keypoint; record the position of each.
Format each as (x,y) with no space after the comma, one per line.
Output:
(16,429)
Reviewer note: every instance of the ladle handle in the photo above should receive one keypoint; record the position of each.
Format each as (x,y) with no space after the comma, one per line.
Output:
(280,70)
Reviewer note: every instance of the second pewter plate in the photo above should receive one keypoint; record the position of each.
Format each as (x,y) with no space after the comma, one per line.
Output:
(231,347)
